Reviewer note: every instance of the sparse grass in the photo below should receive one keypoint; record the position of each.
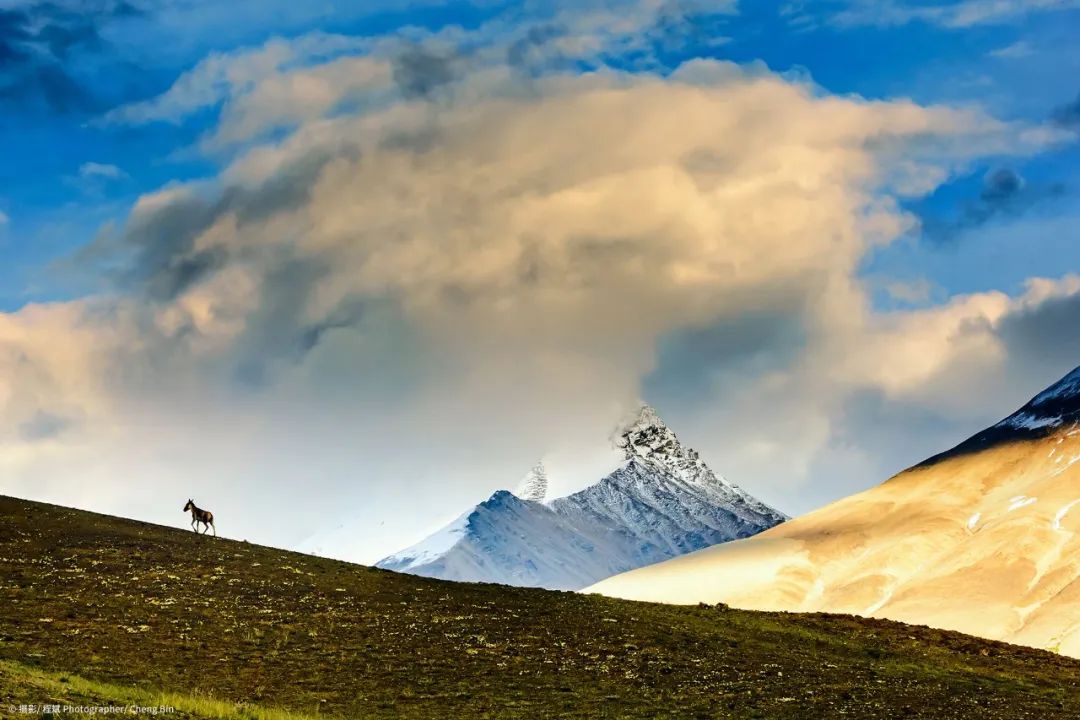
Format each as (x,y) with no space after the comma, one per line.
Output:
(155,610)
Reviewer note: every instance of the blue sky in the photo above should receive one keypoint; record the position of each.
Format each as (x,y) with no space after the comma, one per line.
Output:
(266,213)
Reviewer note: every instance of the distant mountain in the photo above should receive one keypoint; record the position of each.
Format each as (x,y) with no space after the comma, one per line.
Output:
(983,538)
(660,502)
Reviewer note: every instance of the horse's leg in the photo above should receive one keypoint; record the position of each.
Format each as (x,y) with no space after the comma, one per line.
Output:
(212,525)
(193,525)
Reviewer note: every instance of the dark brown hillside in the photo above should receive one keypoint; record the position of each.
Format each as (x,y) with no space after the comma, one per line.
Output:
(152,607)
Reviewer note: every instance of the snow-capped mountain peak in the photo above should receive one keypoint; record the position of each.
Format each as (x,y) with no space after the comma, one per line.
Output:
(661,502)
(647,439)
(646,436)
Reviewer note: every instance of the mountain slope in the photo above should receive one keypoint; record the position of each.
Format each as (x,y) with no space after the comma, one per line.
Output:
(662,502)
(510,541)
(134,608)
(984,538)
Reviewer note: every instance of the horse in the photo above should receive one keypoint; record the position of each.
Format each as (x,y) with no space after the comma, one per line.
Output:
(203,517)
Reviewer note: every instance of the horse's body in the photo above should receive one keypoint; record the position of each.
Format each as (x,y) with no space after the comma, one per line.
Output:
(200,517)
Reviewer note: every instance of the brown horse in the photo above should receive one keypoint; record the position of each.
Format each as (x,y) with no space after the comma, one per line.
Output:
(203,517)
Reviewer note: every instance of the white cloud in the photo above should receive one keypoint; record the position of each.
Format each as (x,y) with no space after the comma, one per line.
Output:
(914,292)
(1015,51)
(962,14)
(287,81)
(223,75)
(100,171)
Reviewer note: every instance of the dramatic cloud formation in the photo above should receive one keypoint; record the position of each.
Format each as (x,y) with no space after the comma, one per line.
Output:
(431,261)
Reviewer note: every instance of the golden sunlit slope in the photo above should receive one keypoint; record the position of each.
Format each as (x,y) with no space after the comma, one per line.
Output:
(984,539)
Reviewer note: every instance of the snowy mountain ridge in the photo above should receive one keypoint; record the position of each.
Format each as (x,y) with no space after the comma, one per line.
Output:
(1066,388)
(1052,409)
(661,502)
(1054,406)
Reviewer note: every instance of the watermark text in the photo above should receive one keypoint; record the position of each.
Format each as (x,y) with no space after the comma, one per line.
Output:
(55,710)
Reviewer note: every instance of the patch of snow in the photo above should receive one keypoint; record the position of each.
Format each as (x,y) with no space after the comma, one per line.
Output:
(1023,611)
(1066,466)
(885,597)
(1056,524)
(1028,421)
(973,521)
(1020,501)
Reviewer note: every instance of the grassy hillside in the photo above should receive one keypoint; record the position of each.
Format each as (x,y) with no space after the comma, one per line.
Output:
(20,683)
(95,607)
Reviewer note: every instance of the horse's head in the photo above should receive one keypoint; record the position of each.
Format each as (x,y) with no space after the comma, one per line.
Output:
(189,505)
